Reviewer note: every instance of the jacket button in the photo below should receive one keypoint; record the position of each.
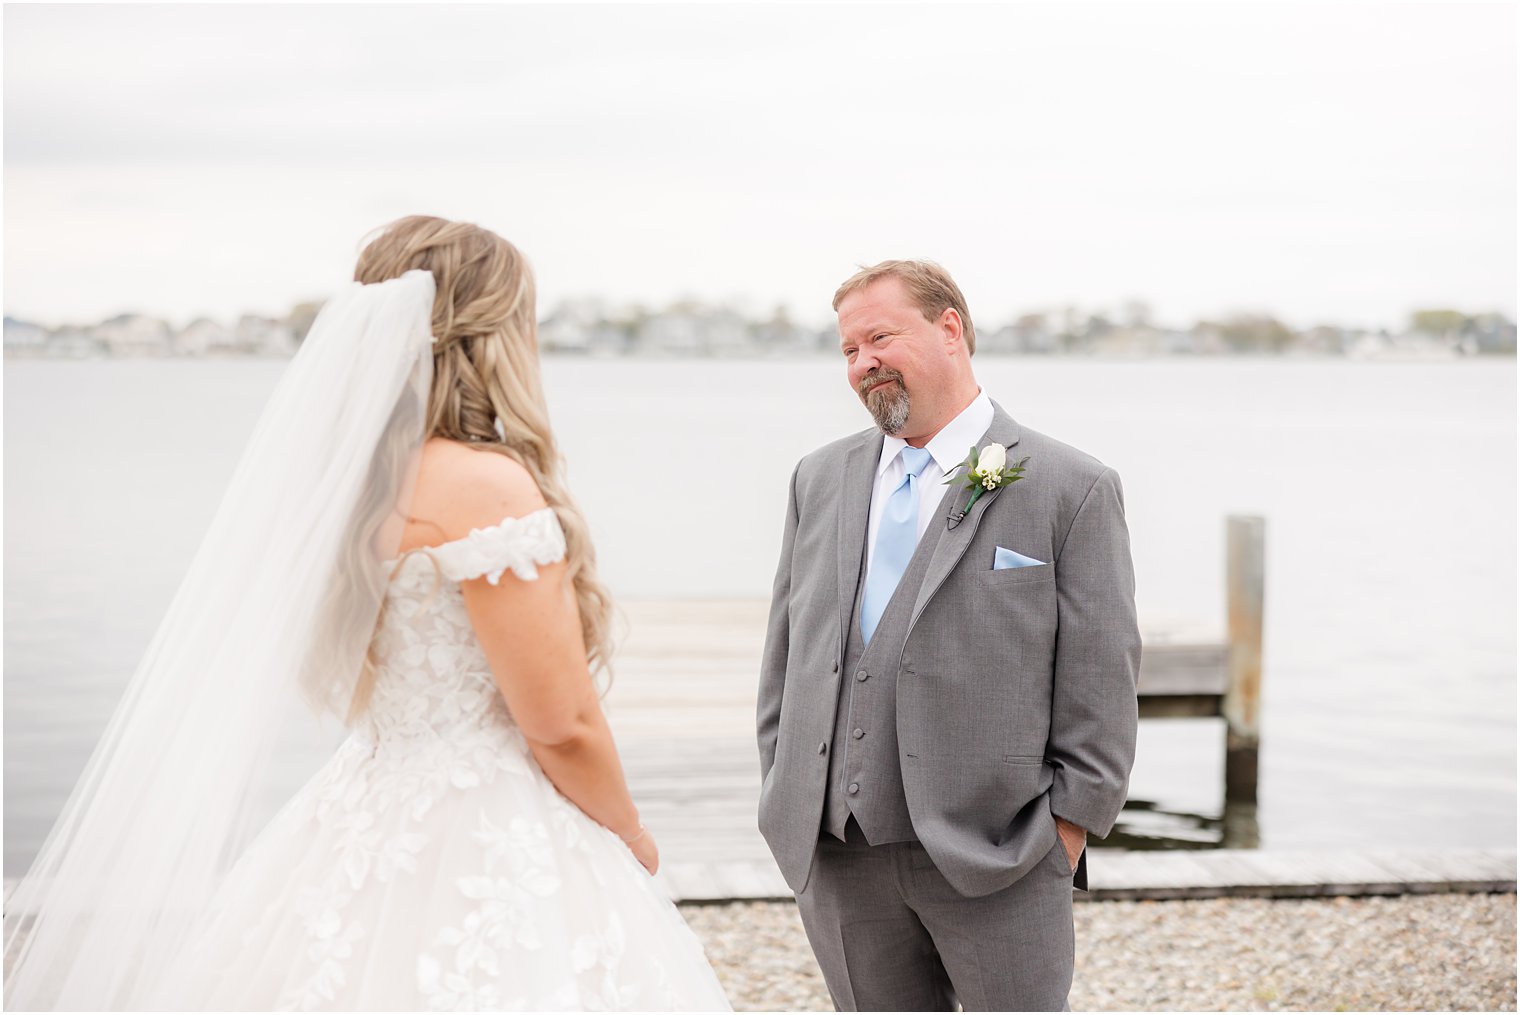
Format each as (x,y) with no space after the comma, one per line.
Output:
(859,734)
(861,675)
(823,748)
(854,787)
(836,666)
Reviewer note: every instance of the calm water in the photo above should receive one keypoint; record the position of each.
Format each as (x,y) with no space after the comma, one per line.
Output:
(1389,492)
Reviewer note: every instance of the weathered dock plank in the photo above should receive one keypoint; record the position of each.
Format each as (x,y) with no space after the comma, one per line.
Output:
(1185,874)
(1296,873)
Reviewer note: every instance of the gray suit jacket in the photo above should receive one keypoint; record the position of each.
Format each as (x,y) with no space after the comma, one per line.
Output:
(1015,687)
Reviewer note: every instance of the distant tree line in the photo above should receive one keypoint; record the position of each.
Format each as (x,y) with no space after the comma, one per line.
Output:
(685,328)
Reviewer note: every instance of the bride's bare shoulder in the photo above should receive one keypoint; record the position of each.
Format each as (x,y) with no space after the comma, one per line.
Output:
(462,487)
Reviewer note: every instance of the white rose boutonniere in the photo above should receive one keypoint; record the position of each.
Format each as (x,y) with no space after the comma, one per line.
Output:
(986,470)
(991,463)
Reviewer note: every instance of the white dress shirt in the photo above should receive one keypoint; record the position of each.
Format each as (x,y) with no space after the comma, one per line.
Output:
(947,449)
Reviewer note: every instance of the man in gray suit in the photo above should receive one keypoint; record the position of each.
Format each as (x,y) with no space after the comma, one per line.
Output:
(947,695)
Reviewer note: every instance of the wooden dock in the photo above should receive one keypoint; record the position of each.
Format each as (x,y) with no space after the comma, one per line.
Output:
(683,704)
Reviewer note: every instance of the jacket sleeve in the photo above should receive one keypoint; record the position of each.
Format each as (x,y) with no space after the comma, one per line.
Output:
(1094,712)
(777,635)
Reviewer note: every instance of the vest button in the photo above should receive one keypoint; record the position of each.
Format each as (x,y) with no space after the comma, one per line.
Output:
(823,748)
(859,734)
(836,666)
(854,787)
(861,675)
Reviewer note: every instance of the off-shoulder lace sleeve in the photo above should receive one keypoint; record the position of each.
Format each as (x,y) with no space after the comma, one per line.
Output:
(520,544)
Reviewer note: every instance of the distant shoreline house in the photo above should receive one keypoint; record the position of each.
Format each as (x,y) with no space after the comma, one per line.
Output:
(687,329)
(130,336)
(25,338)
(203,337)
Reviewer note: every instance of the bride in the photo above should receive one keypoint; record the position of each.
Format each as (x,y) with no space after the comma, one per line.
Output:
(397,546)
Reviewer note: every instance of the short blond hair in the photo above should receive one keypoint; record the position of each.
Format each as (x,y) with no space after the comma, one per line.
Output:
(929,286)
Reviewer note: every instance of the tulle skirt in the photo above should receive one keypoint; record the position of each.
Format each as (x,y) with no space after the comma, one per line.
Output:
(427,879)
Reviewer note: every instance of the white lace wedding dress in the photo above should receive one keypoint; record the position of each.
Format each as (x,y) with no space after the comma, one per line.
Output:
(431,865)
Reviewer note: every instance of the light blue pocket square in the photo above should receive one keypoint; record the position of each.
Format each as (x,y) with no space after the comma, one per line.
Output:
(1005,558)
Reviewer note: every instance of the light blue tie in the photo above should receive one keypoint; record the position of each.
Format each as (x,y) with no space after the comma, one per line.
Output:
(896,537)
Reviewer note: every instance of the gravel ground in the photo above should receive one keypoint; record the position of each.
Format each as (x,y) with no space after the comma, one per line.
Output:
(1404,953)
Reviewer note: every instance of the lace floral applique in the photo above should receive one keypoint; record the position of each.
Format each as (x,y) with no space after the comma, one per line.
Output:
(516,544)
(518,870)
(597,957)
(330,945)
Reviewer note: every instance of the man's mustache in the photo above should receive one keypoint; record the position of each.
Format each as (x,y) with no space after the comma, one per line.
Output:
(876,377)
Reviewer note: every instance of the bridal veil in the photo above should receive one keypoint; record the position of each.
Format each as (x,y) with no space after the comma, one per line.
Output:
(281,597)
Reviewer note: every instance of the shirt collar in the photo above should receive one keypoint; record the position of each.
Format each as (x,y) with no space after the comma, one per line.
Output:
(948,447)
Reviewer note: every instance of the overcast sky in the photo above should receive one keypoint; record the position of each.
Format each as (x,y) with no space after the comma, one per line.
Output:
(1329,163)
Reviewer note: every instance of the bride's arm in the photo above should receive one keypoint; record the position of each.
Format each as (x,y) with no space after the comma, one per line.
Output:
(530,631)
(531,634)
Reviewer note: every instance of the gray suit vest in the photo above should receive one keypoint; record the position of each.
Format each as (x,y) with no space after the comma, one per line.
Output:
(865,773)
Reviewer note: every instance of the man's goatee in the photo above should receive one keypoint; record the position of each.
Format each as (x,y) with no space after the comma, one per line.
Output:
(888,404)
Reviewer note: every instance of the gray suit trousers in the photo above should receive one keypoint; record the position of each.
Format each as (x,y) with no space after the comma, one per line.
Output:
(891,934)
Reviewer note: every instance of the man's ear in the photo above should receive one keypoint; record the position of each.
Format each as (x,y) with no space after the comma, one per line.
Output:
(951,329)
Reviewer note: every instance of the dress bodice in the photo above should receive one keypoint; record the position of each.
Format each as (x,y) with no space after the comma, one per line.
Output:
(433,685)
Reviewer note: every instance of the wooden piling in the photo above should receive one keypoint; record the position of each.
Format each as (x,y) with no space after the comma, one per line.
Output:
(1245,574)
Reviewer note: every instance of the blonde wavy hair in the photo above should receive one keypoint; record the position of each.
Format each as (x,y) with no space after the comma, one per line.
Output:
(486,388)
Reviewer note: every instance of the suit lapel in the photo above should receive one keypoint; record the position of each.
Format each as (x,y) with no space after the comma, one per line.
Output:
(854,511)
(953,543)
